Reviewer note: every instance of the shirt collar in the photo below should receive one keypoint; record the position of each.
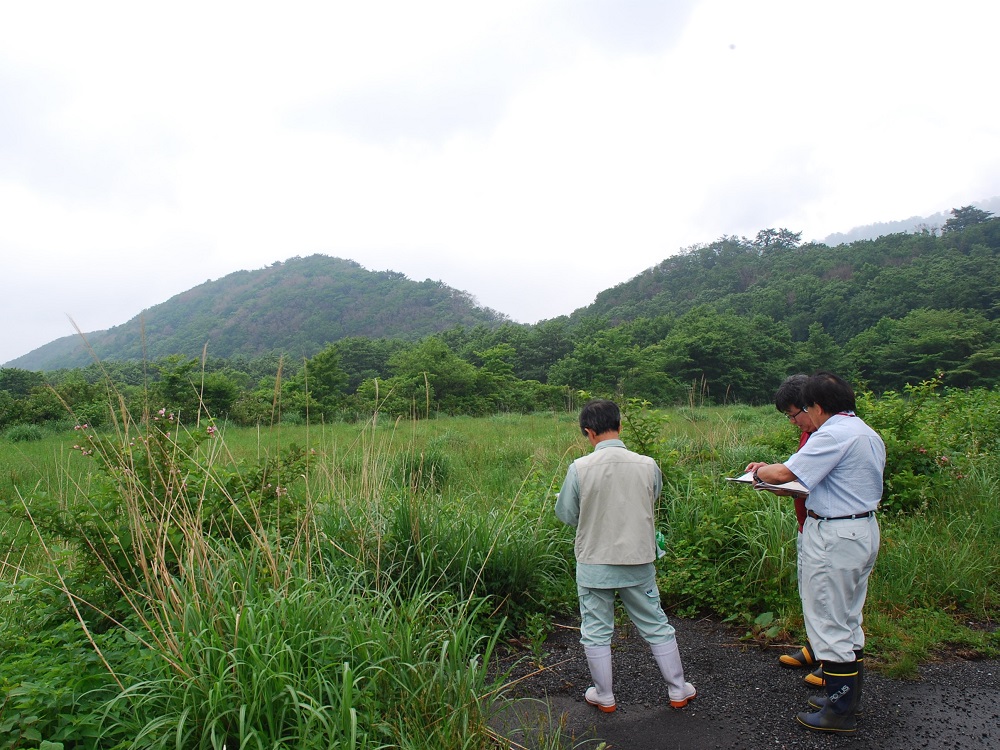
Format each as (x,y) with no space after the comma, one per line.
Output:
(838,417)
(612,443)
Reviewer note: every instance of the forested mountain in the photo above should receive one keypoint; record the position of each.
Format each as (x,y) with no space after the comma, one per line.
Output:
(847,289)
(293,308)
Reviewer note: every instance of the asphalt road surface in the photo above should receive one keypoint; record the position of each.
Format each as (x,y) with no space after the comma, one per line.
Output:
(745,700)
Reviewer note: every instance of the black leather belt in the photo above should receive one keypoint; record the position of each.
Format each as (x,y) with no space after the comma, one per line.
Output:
(840,518)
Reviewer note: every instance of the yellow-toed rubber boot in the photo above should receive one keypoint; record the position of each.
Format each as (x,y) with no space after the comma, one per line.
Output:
(815,678)
(801,659)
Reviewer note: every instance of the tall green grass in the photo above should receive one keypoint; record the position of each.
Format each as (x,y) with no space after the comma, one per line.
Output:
(323,661)
(945,555)
(364,617)
(236,590)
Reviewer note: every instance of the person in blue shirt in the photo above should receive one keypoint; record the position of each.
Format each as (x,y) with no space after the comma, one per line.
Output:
(842,465)
(610,497)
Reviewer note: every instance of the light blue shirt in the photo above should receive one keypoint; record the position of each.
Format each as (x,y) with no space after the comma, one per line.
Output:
(842,465)
(600,576)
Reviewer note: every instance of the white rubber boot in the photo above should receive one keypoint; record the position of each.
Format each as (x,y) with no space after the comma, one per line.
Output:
(668,659)
(599,661)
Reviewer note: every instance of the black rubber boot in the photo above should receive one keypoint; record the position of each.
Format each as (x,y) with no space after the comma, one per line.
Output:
(818,701)
(804,657)
(838,713)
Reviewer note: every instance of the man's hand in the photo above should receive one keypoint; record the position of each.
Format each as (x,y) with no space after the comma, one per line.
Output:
(770,473)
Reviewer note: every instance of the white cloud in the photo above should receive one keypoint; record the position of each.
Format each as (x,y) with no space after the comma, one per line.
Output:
(532,153)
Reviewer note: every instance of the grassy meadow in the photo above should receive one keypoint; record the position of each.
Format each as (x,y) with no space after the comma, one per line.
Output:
(166,584)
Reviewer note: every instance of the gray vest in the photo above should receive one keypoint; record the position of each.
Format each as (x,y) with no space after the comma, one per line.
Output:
(617,504)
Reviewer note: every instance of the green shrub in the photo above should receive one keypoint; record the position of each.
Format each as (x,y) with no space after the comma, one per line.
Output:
(54,686)
(24,433)
(292,419)
(729,551)
(933,436)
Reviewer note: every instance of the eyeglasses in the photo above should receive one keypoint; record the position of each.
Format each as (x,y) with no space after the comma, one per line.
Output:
(791,417)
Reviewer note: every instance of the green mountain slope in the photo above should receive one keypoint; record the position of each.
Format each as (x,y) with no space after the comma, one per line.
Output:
(848,288)
(293,308)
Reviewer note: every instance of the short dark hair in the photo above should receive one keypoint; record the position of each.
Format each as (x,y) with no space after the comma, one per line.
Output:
(600,415)
(789,393)
(832,393)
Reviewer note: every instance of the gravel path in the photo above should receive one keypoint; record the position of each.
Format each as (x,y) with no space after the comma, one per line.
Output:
(745,700)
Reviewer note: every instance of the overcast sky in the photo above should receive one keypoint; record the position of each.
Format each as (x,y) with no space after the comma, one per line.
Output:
(529,152)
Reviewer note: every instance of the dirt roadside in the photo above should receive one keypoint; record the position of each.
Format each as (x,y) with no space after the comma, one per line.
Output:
(745,700)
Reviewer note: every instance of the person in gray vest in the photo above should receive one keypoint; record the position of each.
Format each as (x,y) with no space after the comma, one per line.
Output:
(610,497)
(842,464)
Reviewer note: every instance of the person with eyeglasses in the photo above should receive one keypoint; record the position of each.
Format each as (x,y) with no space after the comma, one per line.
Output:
(788,400)
(842,464)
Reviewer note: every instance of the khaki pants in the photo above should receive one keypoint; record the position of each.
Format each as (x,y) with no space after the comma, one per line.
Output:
(642,602)
(835,560)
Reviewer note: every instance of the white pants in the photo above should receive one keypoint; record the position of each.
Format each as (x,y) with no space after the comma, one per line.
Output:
(835,560)
(798,560)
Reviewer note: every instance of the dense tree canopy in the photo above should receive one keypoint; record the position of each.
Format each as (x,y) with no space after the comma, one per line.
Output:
(961,347)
